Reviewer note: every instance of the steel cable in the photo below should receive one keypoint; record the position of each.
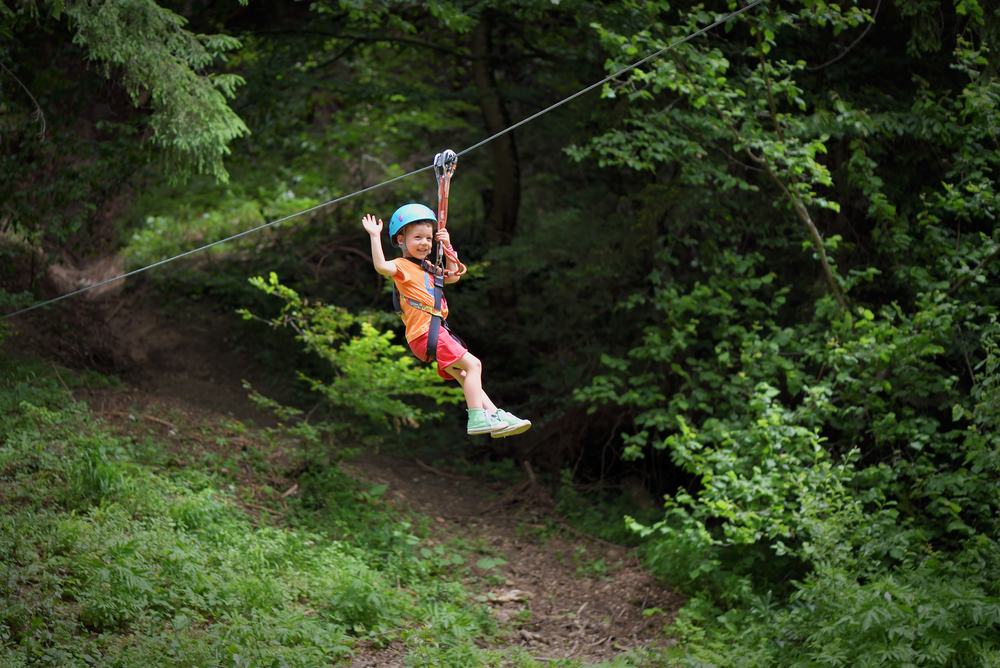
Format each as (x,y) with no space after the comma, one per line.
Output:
(397,178)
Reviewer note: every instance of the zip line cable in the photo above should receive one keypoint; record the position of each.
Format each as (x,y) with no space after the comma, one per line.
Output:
(609,78)
(397,178)
(215,243)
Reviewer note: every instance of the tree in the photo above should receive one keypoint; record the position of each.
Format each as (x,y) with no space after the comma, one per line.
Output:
(59,180)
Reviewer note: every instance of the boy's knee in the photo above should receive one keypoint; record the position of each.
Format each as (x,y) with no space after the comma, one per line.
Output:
(472,363)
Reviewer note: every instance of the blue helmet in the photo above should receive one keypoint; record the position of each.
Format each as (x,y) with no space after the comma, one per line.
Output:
(406,214)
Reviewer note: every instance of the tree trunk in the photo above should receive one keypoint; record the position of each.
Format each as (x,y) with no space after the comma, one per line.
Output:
(503,202)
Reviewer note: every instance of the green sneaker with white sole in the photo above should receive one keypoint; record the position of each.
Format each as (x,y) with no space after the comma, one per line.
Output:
(481,422)
(515,425)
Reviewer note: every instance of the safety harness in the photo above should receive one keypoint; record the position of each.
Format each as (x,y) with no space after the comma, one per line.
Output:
(444,167)
(437,317)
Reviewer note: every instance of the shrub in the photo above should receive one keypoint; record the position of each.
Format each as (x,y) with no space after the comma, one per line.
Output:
(373,378)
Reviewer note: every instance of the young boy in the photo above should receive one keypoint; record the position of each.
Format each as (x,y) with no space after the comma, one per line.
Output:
(411,229)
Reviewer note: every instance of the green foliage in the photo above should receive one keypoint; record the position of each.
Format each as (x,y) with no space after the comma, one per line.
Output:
(928,611)
(90,94)
(833,467)
(372,375)
(600,512)
(837,457)
(12,302)
(160,62)
(108,560)
(191,122)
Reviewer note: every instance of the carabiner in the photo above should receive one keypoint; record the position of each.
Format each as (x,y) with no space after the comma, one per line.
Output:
(444,163)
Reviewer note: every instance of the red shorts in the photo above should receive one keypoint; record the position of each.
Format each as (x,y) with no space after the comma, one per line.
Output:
(449,351)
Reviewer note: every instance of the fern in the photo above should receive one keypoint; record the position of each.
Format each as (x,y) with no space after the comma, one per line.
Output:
(191,122)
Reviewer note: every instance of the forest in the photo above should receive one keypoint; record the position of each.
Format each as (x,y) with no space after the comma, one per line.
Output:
(746,292)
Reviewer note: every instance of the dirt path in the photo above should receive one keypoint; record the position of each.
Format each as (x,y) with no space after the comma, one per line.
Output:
(559,601)
(563,595)
(195,362)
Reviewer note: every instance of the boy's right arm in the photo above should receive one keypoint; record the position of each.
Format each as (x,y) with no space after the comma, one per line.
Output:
(374,229)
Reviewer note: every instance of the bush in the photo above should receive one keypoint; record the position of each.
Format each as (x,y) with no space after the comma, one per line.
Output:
(373,378)
(106,561)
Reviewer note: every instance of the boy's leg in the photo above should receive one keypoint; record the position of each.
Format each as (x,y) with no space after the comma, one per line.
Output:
(468,371)
(471,382)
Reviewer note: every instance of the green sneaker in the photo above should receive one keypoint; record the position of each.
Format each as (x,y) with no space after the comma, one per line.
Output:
(515,425)
(481,422)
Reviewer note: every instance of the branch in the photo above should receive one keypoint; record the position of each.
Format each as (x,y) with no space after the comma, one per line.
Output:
(853,44)
(148,417)
(803,213)
(797,204)
(719,148)
(800,208)
(443,474)
(770,95)
(38,108)
(989,258)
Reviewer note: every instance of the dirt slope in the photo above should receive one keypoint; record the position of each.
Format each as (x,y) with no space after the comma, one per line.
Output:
(556,602)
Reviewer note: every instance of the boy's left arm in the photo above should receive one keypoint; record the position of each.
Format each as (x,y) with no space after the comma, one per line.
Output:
(450,265)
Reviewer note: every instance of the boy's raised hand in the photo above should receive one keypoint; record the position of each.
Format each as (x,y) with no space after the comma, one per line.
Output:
(443,237)
(372,226)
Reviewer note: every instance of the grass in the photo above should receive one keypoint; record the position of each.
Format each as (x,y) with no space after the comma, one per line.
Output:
(117,550)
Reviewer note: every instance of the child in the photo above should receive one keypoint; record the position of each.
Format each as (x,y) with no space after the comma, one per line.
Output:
(411,228)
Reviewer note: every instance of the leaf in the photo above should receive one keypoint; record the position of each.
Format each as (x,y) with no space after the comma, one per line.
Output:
(486,563)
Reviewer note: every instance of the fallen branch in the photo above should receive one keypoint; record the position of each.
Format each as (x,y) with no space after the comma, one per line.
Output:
(513,491)
(443,474)
(163,422)
(147,417)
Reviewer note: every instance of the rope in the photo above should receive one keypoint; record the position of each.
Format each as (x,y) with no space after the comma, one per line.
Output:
(385,183)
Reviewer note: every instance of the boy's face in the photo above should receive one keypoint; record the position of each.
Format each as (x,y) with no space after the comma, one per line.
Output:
(417,240)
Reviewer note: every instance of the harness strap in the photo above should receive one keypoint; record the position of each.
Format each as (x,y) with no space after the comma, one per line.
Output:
(424,307)
(437,317)
(436,320)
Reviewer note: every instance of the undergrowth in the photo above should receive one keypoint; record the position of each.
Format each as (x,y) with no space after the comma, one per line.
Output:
(112,555)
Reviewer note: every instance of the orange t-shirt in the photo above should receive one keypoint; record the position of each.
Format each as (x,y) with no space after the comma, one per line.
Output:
(416,284)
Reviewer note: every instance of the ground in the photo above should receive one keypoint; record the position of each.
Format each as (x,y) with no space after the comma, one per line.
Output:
(560,595)
(577,610)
